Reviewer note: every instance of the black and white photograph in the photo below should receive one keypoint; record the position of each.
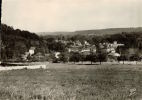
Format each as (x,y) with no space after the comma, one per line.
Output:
(71,50)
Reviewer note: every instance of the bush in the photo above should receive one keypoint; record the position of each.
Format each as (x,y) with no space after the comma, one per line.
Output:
(64,57)
(134,58)
(75,57)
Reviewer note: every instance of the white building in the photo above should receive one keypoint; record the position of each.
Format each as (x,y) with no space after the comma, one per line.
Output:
(31,51)
(57,54)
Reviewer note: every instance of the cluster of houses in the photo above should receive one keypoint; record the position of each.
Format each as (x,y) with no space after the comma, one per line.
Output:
(84,48)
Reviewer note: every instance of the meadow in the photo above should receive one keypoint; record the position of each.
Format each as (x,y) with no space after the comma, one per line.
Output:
(73,82)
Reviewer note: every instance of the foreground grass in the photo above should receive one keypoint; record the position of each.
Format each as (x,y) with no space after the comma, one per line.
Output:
(106,82)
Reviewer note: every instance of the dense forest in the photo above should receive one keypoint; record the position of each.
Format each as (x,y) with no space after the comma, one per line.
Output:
(15,42)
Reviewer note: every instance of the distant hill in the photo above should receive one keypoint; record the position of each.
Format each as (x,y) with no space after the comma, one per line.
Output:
(55,33)
(109,31)
(98,32)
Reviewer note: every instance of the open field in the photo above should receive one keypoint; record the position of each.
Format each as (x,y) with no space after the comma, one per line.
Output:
(73,82)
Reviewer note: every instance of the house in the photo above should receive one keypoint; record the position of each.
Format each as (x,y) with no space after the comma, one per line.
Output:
(109,47)
(86,43)
(113,56)
(89,50)
(77,43)
(31,51)
(115,44)
(86,51)
(75,46)
(57,55)
(74,49)
(110,50)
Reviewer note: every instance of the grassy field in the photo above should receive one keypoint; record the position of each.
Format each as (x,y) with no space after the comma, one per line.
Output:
(73,82)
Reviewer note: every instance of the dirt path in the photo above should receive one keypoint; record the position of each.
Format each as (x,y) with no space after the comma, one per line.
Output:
(22,67)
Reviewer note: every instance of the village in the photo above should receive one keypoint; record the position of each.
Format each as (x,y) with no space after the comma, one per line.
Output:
(75,50)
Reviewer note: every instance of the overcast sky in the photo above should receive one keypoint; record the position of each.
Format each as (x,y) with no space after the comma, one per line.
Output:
(71,15)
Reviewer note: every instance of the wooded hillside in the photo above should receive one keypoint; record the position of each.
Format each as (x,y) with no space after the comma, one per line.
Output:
(15,42)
